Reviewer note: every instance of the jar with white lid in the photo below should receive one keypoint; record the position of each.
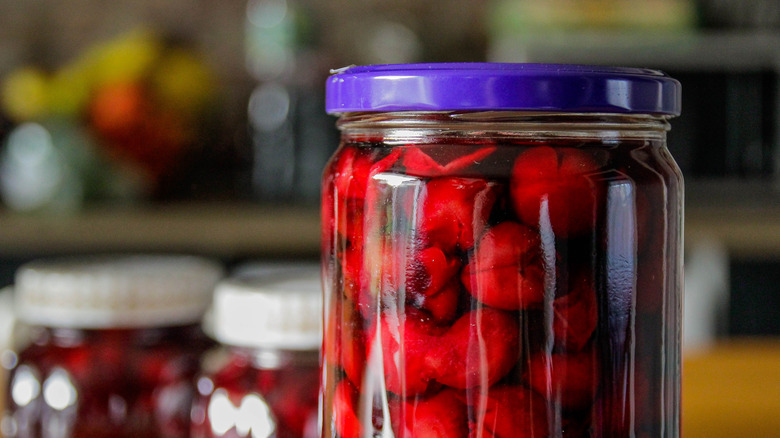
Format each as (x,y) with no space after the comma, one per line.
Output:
(113,344)
(263,381)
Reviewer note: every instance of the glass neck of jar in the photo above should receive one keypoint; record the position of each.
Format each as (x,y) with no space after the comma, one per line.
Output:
(275,358)
(404,126)
(71,337)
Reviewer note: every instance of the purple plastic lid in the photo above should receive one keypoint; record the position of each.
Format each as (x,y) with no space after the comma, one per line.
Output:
(499,86)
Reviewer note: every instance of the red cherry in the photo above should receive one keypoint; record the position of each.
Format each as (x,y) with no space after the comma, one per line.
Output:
(443,305)
(426,279)
(345,341)
(469,159)
(429,271)
(345,420)
(555,181)
(292,393)
(575,315)
(455,210)
(327,213)
(570,380)
(418,163)
(509,411)
(351,170)
(480,348)
(441,415)
(355,278)
(407,340)
(350,219)
(506,271)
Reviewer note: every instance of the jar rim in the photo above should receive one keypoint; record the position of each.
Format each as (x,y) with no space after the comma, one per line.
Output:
(502,87)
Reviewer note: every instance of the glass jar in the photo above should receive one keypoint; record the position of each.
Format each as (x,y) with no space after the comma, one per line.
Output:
(502,253)
(114,344)
(263,381)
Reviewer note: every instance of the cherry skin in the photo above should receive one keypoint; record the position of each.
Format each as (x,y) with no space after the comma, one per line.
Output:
(570,380)
(509,411)
(462,361)
(555,181)
(441,415)
(506,270)
(575,315)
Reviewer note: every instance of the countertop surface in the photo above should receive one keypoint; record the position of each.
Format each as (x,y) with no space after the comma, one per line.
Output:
(732,390)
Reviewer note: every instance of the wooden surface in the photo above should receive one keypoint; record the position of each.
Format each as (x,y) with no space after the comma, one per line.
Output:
(217,229)
(732,390)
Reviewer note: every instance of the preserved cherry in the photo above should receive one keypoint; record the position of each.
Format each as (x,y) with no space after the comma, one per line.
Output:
(106,383)
(501,268)
(249,397)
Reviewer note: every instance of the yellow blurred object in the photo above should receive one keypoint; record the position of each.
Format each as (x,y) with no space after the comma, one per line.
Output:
(70,89)
(25,94)
(732,390)
(527,16)
(182,82)
(123,59)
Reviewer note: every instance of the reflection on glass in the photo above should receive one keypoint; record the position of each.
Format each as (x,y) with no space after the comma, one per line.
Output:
(25,387)
(58,390)
(251,418)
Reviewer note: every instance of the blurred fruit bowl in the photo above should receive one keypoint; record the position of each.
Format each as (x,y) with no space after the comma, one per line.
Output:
(137,102)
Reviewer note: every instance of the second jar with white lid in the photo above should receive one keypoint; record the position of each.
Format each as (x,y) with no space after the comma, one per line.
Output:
(264,380)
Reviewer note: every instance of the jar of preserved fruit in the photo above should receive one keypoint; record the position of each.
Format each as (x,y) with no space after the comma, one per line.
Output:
(263,381)
(114,346)
(502,252)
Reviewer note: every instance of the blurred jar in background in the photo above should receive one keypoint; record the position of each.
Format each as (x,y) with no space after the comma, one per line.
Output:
(6,335)
(291,138)
(264,380)
(113,346)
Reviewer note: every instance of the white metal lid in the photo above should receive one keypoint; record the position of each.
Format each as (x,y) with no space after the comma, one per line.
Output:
(273,309)
(127,291)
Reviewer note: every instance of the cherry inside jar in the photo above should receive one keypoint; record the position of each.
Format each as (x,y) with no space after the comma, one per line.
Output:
(500,272)
(277,391)
(106,383)
(264,378)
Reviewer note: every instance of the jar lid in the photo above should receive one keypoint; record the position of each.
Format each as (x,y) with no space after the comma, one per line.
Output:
(129,291)
(281,309)
(502,87)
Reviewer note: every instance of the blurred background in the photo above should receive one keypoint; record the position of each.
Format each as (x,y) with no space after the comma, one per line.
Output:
(198,126)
